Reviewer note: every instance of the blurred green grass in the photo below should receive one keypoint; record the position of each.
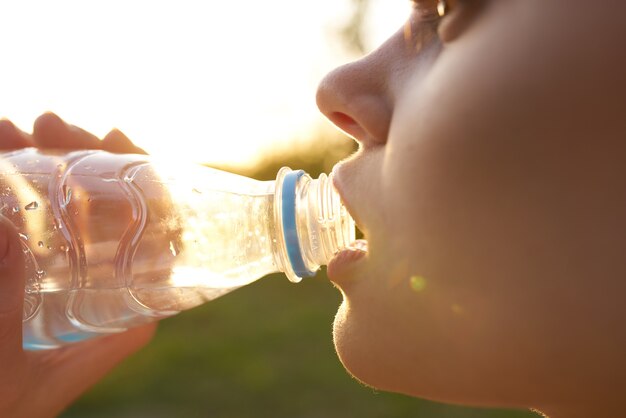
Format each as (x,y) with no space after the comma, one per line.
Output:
(264,350)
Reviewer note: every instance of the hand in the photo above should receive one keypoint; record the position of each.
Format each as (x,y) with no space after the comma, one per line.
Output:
(43,383)
(50,131)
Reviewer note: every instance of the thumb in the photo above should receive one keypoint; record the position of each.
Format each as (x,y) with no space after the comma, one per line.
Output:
(11,291)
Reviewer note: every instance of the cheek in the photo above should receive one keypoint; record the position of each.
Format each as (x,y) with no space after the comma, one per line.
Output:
(511,219)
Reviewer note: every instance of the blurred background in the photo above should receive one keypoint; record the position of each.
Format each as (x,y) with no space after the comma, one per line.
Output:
(231,85)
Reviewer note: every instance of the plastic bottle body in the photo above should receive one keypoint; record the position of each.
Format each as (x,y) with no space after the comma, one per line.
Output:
(114,241)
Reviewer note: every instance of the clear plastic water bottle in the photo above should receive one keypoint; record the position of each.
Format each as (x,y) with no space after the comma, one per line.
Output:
(114,241)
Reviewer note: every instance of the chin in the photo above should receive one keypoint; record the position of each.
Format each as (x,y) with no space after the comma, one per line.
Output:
(366,354)
(353,352)
(373,353)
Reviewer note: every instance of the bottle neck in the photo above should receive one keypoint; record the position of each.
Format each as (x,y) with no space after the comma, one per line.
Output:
(312,223)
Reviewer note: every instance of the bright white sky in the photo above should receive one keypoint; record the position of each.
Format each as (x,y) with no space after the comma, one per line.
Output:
(199,80)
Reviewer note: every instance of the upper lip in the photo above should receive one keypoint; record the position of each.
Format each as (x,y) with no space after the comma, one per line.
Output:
(339,186)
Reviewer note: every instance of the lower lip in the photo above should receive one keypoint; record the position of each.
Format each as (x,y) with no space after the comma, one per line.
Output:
(345,260)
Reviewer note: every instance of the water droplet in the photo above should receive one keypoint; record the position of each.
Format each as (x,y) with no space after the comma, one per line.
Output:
(67,196)
(33,288)
(16,209)
(24,236)
(41,274)
(63,248)
(173,248)
(40,244)
(32,206)
(48,247)
(442,8)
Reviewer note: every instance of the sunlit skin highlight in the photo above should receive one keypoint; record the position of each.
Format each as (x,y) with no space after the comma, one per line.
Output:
(492,191)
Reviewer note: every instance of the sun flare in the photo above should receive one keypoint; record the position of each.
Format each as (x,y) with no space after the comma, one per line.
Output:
(207,82)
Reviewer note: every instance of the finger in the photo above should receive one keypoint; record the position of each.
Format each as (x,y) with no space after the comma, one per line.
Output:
(11,293)
(13,138)
(116,141)
(50,131)
(66,373)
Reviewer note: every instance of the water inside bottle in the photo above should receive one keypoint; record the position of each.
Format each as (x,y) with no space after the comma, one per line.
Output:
(111,243)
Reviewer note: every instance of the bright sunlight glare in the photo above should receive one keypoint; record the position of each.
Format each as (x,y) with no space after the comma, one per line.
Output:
(210,82)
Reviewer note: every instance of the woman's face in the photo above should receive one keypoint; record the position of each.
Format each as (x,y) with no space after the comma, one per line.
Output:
(489,185)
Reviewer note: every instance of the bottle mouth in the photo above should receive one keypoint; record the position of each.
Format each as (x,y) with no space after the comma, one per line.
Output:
(315,223)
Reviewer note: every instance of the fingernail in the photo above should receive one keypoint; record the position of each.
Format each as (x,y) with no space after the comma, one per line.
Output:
(6,126)
(7,130)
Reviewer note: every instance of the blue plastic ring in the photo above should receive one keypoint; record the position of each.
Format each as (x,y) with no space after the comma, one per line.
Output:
(290,232)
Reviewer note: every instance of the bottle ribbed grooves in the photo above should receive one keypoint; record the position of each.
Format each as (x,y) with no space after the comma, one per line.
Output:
(335,228)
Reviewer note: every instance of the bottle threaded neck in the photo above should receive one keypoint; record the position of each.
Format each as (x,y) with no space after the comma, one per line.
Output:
(315,224)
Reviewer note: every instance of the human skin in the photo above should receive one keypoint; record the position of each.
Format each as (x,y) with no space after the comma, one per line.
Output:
(43,383)
(489,184)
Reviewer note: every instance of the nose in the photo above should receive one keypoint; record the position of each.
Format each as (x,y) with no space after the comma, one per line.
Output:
(357,97)
(354,99)
(360,97)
